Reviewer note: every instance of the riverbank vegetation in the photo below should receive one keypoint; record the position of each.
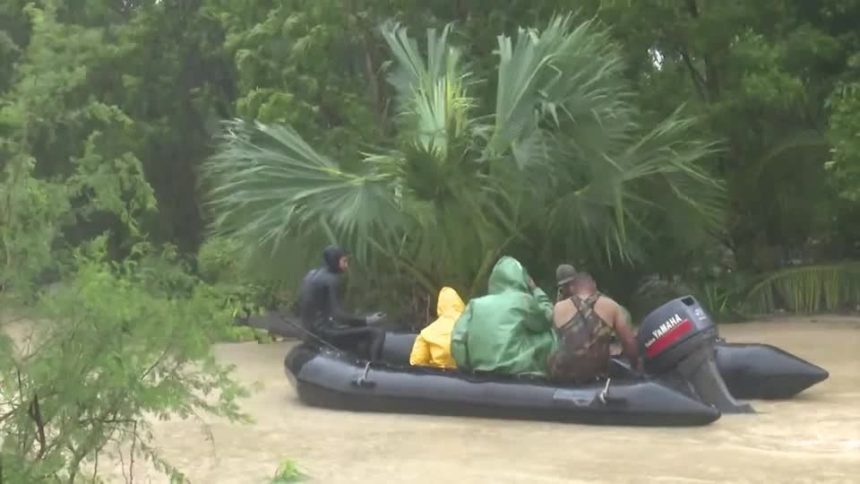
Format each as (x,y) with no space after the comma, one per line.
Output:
(169,164)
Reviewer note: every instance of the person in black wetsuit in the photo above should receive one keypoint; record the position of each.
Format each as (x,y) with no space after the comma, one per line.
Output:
(322,314)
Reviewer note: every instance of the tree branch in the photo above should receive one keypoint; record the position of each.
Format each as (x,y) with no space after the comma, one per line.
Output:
(698,79)
(36,414)
(693,8)
(20,402)
(131,455)
(710,78)
(7,414)
(91,421)
(121,460)
(157,362)
(95,467)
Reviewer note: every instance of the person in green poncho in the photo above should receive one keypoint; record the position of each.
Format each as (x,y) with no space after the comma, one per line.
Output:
(510,329)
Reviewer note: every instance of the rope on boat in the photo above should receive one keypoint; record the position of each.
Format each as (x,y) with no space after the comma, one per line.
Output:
(602,395)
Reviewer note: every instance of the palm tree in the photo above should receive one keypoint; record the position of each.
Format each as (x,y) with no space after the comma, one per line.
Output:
(561,165)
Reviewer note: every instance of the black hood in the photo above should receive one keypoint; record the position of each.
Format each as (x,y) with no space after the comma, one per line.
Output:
(332,255)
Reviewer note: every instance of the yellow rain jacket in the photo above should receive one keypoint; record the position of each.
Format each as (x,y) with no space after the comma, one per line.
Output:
(433,345)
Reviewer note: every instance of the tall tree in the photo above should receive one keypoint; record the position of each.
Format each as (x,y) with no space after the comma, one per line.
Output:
(761,73)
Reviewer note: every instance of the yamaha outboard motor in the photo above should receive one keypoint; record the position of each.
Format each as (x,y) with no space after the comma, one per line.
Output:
(677,339)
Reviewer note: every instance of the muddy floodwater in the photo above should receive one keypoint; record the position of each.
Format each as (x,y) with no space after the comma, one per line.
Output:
(814,437)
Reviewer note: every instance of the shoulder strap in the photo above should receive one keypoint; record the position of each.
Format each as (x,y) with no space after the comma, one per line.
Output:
(585,305)
(584,310)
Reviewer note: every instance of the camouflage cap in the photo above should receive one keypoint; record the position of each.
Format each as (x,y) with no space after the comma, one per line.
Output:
(564,273)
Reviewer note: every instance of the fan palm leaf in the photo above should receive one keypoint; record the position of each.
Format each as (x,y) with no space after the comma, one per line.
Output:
(563,101)
(807,289)
(559,73)
(432,95)
(269,185)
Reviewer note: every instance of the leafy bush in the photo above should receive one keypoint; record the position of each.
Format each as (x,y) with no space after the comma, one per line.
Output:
(288,471)
(220,263)
(117,343)
(807,289)
(32,212)
(722,296)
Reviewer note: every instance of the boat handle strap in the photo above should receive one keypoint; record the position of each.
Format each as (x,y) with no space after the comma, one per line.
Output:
(602,394)
(362,381)
(607,399)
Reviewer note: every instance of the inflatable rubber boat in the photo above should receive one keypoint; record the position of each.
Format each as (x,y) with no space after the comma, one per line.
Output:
(751,371)
(681,384)
(326,378)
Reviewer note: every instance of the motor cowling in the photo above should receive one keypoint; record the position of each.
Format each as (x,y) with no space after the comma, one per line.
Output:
(677,341)
(674,331)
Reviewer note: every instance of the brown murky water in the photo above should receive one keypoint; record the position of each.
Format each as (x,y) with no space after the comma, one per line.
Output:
(813,438)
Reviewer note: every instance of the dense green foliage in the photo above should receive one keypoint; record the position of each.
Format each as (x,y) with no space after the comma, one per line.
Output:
(691,145)
(121,329)
(559,164)
(90,82)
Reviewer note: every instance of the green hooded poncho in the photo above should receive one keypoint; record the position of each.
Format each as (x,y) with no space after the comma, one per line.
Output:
(509,330)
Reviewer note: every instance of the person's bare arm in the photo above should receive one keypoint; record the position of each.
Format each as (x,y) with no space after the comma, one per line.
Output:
(626,336)
(562,312)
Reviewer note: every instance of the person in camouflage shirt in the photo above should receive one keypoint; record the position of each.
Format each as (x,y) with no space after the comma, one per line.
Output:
(584,321)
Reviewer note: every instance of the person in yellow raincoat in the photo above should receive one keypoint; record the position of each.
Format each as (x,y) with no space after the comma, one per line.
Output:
(433,345)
